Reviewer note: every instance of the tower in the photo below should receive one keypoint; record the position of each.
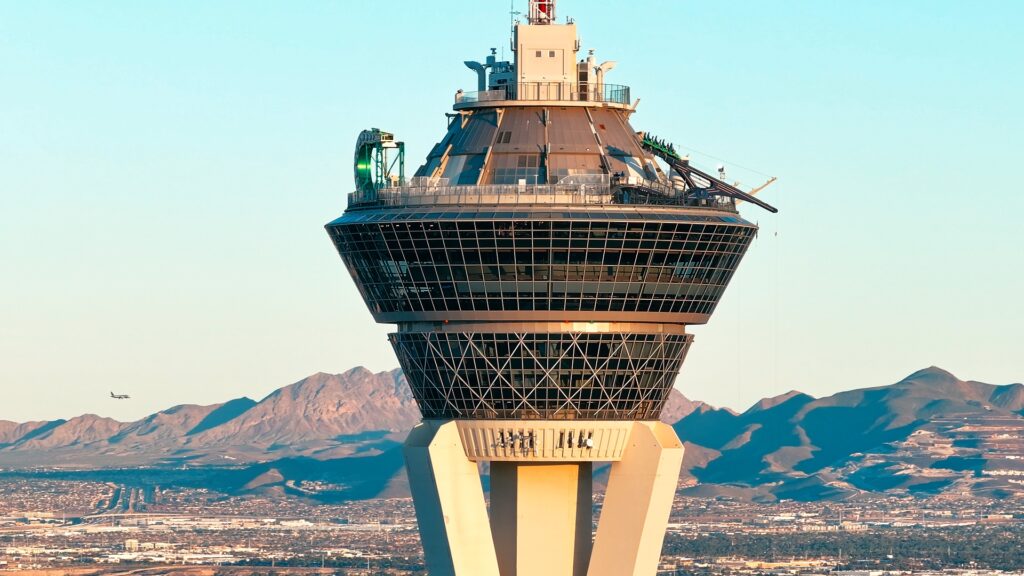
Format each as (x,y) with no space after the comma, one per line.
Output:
(541,267)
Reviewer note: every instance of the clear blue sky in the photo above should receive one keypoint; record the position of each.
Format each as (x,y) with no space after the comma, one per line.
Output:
(166,169)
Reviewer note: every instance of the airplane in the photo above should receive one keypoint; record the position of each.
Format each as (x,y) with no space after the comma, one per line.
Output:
(119,396)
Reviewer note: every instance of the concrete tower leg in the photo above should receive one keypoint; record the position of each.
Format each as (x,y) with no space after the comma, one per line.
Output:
(449,500)
(541,497)
(638,502)
(541,517)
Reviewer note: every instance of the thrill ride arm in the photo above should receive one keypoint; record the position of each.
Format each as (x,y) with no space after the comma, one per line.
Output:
(682,166)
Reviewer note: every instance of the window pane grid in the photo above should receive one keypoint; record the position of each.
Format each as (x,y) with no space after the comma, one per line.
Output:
(574,265)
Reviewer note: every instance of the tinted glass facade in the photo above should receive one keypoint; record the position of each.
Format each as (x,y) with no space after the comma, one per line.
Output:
(589,263)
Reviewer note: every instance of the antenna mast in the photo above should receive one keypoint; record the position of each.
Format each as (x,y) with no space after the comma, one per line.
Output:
(512,14)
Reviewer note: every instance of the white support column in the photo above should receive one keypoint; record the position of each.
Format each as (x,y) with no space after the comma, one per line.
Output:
(449,500)
(637,503)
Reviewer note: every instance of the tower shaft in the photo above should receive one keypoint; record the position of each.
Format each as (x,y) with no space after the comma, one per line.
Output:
(542,268)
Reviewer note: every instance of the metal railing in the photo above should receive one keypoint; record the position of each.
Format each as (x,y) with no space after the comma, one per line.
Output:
(581,189)
(483,195)
(545,91)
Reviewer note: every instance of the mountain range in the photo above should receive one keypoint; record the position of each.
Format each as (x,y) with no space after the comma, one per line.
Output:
(928,433)
(323,416)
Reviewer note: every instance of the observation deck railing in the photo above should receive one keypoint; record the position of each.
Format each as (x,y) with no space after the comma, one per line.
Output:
(544,91)
(597,189)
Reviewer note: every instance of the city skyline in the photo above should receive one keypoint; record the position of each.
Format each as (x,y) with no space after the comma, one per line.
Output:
(169,170)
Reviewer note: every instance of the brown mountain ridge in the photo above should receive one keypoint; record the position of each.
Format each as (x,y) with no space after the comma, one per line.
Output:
(929,432)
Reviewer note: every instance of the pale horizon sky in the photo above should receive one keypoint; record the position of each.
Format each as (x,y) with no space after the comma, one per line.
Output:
(166,169)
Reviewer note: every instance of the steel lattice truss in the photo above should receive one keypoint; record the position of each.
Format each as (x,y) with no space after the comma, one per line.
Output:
(616,376)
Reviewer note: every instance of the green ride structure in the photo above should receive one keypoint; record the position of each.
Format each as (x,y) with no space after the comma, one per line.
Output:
(374,166)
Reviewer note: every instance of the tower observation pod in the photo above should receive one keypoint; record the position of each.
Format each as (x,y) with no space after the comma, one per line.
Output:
(541,268)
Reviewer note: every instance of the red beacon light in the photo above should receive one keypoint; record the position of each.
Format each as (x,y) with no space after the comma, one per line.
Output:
(542,11)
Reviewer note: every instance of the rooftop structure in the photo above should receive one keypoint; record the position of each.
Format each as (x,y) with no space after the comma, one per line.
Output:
(541,267)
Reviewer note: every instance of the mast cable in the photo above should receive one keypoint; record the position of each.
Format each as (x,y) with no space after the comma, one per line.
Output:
(723,160)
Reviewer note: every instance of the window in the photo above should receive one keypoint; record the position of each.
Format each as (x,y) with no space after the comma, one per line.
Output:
(538,53)
(527,161)
(551,54)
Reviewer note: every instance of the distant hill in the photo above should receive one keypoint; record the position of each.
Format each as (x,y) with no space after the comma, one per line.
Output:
(319,411)
(929,432)
(678,407)
(796,446)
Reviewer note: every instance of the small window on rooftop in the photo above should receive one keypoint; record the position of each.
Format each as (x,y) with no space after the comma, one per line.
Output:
(538,53)
(551,54)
